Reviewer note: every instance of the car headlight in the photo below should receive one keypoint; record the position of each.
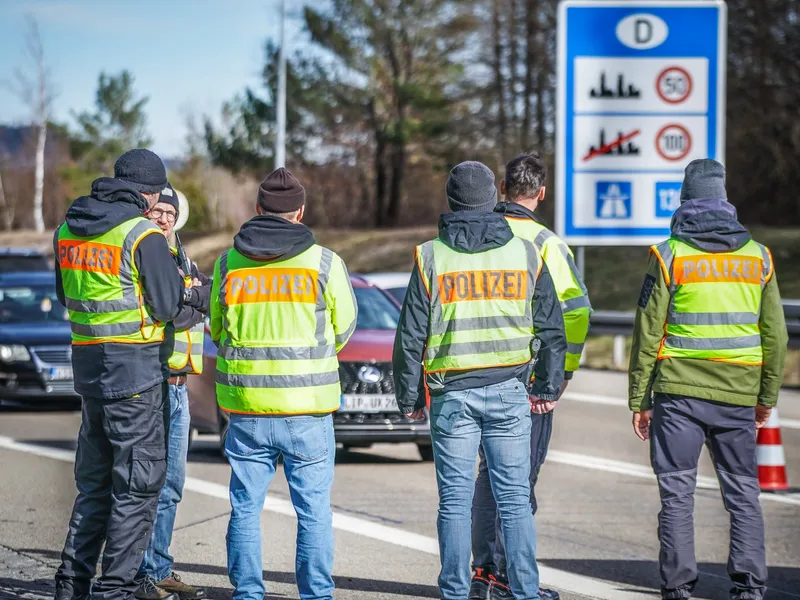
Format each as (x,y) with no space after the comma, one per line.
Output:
(14,353)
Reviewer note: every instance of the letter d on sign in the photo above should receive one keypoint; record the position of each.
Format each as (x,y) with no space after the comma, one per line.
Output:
(642,31)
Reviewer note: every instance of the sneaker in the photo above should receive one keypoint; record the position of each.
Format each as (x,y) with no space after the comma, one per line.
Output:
(479,586)
(500,590)
(69,590)
(174,583)
(148,590)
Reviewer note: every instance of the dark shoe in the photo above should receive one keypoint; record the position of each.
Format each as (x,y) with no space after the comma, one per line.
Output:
(173,583)
(499,590)
(69,590)
(148,590)
(546,594)
(479,586)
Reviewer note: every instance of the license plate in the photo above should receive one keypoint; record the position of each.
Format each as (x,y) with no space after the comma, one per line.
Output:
(60,373)
(368,403)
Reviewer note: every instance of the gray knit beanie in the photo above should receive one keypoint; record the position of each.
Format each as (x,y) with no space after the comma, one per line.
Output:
(471,187)
(142,169)
(704,178)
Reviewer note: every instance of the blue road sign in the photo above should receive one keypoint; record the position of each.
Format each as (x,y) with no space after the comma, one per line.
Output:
(641,93)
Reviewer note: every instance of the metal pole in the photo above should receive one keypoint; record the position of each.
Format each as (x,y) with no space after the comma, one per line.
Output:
(581,262)
(280,135)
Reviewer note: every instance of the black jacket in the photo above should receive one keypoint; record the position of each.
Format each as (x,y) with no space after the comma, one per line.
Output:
(114,371)
(472,232)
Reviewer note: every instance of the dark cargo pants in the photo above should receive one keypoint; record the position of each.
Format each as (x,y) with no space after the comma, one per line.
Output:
(678,430)
(120,467)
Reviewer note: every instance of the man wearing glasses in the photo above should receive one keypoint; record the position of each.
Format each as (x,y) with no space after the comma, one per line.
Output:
(156,579)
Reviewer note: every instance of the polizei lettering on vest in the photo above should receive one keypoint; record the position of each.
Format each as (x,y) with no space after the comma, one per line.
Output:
(717,269)
(271,285)
(498,284)
(88,256)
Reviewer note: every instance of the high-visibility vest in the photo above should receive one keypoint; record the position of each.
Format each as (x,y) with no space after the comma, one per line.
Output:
(571,292)
(481,314)
(102,288)
(715,302)
(187,355)
(277,349)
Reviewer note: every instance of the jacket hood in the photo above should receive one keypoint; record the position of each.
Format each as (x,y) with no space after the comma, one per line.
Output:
(474,232)
(512,209)
(709,224)
(267,238)
(111,203)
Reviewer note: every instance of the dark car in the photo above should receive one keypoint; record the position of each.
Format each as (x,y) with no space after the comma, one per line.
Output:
(22,260)
(368,412)
(35,340)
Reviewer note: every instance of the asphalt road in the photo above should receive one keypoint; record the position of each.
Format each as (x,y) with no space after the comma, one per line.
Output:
(596,521)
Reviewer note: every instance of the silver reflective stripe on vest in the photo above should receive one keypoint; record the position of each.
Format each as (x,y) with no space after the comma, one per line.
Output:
(340,338)
(476,323)
(728,318)
(108,330)
(575,304)
(277,381)
(323,275)
(574,348)
(223,285)
(130,295)
(430,272)
(665,252)
(487,347)
(729,343)
(181,346)
(767,264)
(533,270)
(275,353)
(544,235)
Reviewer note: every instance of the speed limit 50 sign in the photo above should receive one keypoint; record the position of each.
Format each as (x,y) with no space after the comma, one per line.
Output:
(641,93)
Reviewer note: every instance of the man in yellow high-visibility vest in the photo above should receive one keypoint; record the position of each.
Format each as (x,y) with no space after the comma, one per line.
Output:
(707,362)
(115,275)
(282,306)
(480,308)
(524,189)
(156,575)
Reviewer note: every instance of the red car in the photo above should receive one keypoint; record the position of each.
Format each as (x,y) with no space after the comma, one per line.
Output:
(368,412)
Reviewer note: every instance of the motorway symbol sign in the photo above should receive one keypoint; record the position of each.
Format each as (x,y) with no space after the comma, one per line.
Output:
(641,93)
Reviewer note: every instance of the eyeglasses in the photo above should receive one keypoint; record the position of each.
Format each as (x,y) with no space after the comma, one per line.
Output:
(157,213)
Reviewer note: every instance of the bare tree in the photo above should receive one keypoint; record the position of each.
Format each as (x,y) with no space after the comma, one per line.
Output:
(33,86)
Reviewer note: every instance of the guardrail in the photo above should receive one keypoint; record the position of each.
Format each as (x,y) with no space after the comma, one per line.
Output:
(620,324)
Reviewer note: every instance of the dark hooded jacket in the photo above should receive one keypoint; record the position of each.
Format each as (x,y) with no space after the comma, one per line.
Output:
(472,233)
(114,371)
(710,225)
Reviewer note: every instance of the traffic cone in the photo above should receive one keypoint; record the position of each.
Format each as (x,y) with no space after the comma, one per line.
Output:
(770,458)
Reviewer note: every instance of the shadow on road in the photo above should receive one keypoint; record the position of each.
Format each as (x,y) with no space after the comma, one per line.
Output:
(56,444)
(784,582)
(21,589)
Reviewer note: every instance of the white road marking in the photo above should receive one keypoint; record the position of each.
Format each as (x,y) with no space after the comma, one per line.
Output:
(564,580)
(613,401)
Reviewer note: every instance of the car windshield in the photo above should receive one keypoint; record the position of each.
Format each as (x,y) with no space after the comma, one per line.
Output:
(398,293)
(30,304)
(375,311)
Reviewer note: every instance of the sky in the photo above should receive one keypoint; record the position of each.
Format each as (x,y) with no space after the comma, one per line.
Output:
(188,56)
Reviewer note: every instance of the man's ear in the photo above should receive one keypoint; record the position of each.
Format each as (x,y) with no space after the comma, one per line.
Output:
(502,187)
(259,210)
(301,214)
(542,192)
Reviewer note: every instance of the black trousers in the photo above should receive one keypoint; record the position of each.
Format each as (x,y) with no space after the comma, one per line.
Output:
(120,467)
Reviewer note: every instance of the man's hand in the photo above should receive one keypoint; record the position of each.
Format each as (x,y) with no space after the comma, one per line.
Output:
(641,424)
(762,415)
(417,415)
(541,407)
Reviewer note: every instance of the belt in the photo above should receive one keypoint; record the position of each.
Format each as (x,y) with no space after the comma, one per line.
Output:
(177,380)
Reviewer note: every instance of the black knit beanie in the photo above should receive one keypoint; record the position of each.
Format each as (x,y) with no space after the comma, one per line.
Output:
(471,187)
(141,169)
(169,196)
(280,192)
(704,178)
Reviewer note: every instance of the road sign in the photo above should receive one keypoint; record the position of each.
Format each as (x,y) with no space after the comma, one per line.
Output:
(641,93)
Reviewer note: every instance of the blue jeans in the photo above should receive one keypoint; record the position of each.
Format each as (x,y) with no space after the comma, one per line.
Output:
(308,447)
(487,547)
(157,562)
(497,417)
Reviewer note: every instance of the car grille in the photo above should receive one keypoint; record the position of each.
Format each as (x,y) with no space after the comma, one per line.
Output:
(351,384)
(54,355)
(57,388)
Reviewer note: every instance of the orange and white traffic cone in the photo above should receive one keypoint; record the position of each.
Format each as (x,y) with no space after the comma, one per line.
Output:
(770,458)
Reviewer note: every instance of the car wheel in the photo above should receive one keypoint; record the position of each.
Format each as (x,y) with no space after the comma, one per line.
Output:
(425,452)
(223,432)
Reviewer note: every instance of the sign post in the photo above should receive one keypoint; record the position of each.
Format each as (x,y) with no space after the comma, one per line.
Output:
(641,93)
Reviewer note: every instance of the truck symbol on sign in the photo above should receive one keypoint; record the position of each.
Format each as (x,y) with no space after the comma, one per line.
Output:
(621,92)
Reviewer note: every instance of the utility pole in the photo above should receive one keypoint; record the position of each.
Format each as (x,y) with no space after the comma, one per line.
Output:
(280,136)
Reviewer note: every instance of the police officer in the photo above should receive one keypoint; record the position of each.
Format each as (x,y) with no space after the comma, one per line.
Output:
(156,577)
(523,188)
(281,308)
(709,343)
(115,275)
(476,298)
